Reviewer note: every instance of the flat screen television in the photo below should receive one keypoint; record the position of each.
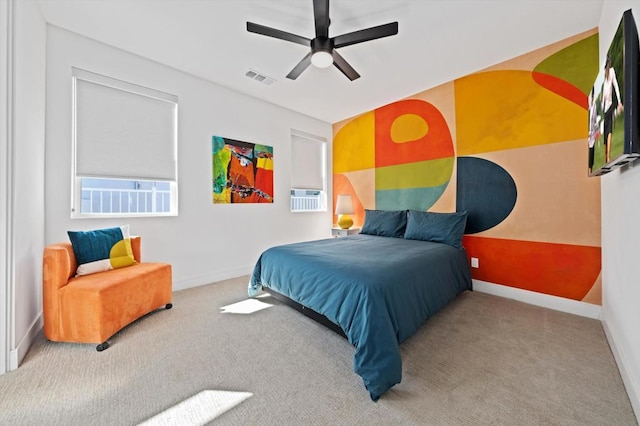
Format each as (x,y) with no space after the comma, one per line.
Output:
(614,115)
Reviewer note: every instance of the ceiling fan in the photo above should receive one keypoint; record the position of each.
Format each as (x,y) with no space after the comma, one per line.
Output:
(323,48)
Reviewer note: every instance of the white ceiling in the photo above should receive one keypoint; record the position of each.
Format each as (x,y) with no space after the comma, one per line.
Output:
(437,41)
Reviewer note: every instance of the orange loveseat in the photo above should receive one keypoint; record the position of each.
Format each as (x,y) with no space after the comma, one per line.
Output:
(92,308)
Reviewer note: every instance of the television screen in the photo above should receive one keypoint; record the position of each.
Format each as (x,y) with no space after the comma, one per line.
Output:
(613,103)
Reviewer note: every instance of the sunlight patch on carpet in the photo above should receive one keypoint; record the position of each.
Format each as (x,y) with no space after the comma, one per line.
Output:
(199,409)
(248,306)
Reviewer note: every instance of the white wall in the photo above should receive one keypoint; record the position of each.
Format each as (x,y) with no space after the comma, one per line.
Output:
(206,242)
(621,241)
(24,192)
(6,21)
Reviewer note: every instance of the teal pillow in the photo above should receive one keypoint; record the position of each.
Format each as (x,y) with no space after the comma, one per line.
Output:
(101,249)
(384,223)
(447,228)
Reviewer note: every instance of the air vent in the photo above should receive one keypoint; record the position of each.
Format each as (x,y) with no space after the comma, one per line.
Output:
(255,75)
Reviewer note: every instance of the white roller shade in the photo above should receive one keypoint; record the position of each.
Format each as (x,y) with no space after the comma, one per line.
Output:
(123,130)
(307,163)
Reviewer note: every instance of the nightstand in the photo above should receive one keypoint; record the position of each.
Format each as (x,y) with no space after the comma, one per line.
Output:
(339,232)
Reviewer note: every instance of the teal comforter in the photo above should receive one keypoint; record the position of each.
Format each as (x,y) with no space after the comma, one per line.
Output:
(379,290)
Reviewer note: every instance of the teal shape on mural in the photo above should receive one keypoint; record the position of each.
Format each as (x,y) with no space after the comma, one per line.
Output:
(486,191)
(409,198)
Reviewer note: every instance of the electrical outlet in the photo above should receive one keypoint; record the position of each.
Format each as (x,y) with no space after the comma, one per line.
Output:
(475,262)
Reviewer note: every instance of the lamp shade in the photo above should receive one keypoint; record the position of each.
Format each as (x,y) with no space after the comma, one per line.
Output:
(344,204)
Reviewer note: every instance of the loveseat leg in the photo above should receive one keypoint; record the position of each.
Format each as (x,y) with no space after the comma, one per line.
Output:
(169,305)
(102,346)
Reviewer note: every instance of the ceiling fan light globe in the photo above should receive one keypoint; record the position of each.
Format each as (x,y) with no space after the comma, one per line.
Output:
(322,59)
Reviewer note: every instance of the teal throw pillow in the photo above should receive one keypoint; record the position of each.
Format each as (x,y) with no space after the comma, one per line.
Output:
(447,228)
(384,223)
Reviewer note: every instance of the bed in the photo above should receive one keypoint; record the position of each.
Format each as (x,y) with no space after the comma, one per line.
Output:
(378,287)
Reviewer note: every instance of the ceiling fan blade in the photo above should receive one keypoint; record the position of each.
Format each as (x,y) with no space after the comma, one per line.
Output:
(282,35)
(321,14)
(344,66)
(366,35)
(302,65)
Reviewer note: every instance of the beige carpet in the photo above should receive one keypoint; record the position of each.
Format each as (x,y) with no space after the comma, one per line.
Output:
(482,360)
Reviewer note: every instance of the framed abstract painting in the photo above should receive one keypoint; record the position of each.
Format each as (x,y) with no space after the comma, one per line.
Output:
(242,172)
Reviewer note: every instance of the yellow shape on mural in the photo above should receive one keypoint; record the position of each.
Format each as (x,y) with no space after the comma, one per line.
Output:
(500,110)
(408,128)
(353,145)
(421,174)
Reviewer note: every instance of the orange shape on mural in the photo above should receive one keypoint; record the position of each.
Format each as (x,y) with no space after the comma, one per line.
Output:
(433,139)
(562,88)
(562,270)
(342,186)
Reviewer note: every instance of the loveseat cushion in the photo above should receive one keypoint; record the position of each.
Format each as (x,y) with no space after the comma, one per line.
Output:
(97,306)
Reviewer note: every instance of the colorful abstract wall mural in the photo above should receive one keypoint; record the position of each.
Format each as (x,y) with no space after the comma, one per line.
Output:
(507,144)
(242,171)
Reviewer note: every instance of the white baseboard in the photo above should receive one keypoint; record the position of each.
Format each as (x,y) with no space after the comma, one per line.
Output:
(17,355)
(547,301)
(632,387)
(213,277)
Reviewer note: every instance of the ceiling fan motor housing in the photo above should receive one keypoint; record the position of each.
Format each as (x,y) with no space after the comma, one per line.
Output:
(322,44)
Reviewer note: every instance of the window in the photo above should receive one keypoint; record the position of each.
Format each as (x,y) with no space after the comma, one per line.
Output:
(124,147)
(308,173)
(119,196)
